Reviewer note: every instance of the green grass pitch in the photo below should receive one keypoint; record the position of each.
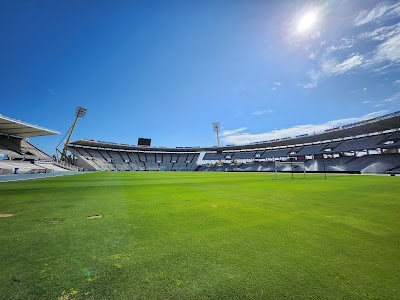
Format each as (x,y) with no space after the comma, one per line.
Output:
(200,236)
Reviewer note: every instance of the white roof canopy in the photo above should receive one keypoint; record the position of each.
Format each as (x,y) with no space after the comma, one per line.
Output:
(10,126)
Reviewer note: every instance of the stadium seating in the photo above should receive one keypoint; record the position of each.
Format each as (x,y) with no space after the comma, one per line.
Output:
(275,153)
(23,157)
(119,160)
(18,148)
(23,167)
(294,151)
(312,150)
(51,166)
(244,155)
(5,171)
(8,146)
(214,156)
(345,155)
(391,141)
(359,144)
(367,164)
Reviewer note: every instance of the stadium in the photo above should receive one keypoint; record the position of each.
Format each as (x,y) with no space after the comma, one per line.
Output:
(367,147)
(288,193)
(150,234)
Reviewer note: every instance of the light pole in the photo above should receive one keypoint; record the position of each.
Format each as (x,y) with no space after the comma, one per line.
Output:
(79,113)
(216,128)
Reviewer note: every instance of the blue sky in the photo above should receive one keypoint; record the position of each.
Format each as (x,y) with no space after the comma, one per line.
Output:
(167,69)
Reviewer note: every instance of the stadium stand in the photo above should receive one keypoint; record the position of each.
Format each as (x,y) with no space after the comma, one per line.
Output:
(244,155)
(295,151)
(312,150)
(107,159)
(368,146)
(359,144)
(394,171)
(18,155)
(214,156)
(373,148)
(275,153)
(392,140)
(18,148)
(368,164)
(22,167)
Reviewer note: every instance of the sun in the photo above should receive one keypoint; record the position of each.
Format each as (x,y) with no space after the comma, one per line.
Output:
(307,22)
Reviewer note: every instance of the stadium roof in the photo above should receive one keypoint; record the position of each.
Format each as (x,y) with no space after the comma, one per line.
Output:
(380,124)
(10,126)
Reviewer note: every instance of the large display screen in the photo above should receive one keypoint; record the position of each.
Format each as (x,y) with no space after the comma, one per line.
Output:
(144,142)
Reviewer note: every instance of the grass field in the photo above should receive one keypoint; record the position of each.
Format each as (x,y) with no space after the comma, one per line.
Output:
(200,236)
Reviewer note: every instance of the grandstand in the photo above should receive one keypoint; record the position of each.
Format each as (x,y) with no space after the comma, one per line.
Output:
(368,146)
(18,155)
(102,156)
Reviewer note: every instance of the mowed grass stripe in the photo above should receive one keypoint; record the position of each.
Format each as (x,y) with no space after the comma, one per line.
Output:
(200,236)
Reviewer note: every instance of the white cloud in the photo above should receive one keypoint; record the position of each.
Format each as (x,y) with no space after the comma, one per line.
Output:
(276,85)
(386,56)
(364,89)
(381,33)
(244,138)
(314,79)
(396,82)
(389,50)
(332,67)
(382,58)
(345,43)
(349,64)
(394,98)
(381,11)
(372,115)
(233,131)
(261,112)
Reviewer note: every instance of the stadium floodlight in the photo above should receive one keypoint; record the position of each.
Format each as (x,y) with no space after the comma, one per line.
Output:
(216,128)
(80,112)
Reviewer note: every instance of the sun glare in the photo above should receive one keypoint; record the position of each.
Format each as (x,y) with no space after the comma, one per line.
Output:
(307,22)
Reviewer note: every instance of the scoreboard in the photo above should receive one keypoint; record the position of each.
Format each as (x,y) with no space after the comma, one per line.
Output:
(144,142)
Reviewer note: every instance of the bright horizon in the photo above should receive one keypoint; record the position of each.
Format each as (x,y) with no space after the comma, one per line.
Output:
(167,71)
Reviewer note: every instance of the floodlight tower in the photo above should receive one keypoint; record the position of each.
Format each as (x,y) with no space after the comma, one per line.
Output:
(79,113)
(216,128)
